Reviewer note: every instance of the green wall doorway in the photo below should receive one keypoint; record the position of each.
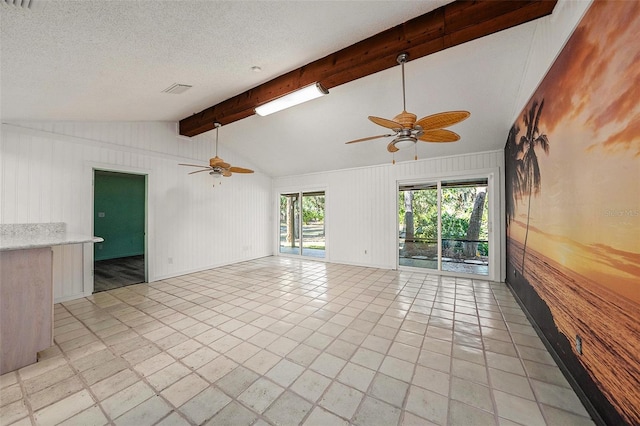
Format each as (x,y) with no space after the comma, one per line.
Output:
(119,216)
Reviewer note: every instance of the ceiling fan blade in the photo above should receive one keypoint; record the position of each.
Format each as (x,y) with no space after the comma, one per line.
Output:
(392,147)
(390,124)
(369,138)
(439,135)
(218,162)
(192,165)
(203,170)
(226,173)
(239,170)
(442,119)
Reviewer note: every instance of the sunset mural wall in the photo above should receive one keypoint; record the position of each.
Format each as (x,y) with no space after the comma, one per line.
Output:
(572,163)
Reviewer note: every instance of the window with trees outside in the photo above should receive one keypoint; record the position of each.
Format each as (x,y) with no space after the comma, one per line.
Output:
(302,224)
(443,225)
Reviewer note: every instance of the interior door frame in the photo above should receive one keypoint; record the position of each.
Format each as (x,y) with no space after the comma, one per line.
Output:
(148,239)
(496,230)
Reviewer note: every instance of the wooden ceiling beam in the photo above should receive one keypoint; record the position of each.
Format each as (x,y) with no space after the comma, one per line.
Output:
(447,26)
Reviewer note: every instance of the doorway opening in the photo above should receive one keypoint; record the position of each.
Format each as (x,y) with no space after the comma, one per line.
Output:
(119,209)
(302,230)
(444,226)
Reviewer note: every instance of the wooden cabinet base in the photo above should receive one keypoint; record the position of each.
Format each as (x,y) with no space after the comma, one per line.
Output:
(26,306)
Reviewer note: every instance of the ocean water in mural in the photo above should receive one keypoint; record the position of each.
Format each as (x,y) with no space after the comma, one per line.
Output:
(573,201)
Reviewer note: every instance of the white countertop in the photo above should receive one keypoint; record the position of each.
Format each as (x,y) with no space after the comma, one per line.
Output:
(26,236)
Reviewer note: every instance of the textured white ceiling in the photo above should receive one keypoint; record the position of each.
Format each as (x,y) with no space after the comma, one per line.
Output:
(110,60)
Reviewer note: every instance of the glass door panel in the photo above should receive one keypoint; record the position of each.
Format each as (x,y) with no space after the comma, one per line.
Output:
(313,243)
(464,218)
(289,223)
(418,230)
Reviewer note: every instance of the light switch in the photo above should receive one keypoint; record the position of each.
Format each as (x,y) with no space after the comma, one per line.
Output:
(100,214)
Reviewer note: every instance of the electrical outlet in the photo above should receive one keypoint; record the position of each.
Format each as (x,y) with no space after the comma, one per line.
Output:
(578,344)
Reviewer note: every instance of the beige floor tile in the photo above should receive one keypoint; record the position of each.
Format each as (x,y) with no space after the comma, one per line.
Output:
(237,381)
(205,405)
(285,372)
(55,392)
(62,410)
(356,376)
(164,378)
(341,400)
(12,412)
(303,355)
(260,394)
(200,357)
(388,389)
(427,404)
(511,383)
(262,362)
(103,371)
(90,417)
(41,367)
(518,409)
(375,412)
(153,364)
(233,414)
(397,368)
(124,400)
(559,397)
(184,389)
(328,364)
(288,409)
(473,394)
(321,417)
(311,385)
(433,380)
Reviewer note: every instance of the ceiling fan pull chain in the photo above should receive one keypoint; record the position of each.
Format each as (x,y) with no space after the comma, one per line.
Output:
(415,146)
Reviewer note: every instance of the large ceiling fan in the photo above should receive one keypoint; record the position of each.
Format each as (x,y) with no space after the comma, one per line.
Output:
(217,166)
(407,130)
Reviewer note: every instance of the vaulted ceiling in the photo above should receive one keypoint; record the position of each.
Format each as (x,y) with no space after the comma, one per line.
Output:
(111,61)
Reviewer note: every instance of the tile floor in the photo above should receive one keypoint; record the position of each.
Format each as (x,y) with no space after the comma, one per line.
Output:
(286,341)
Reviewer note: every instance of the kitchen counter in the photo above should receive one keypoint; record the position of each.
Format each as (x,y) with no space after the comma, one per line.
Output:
(33,235)
(26,289)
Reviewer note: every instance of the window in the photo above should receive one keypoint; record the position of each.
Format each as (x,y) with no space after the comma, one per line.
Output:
(302,230)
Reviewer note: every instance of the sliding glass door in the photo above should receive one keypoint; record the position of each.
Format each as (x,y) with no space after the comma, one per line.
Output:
(302,229)
(443,225)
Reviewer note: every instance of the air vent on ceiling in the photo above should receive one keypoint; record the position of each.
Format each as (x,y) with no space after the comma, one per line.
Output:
(176,88)
(24,4)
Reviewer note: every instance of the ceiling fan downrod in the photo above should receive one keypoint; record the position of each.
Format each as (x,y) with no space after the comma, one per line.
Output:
(402,59)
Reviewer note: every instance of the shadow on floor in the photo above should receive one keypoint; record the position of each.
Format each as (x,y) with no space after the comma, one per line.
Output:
(115,273)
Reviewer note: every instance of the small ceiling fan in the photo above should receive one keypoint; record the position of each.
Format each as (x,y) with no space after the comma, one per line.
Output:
(407,130)
(217,166)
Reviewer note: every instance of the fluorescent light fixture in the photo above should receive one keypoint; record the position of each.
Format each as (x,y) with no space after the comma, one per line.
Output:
(301,95)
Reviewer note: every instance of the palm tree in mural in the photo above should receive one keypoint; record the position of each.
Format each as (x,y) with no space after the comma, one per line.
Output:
(531,177)
(513,171)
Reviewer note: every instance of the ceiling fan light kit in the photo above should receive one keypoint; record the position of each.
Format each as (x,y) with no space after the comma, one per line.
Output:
(301,95)
(408,130)
(217,166)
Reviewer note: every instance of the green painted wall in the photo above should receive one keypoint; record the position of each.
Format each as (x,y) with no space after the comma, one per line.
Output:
(118,209)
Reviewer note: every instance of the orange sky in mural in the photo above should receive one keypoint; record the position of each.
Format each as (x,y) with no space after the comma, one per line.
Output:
(588,208)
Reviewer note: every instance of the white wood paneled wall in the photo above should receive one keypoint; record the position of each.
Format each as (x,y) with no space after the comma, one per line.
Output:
(47,172)
(361,219)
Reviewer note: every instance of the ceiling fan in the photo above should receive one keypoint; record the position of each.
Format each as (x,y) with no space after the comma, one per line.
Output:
(407,130)
(217,166)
